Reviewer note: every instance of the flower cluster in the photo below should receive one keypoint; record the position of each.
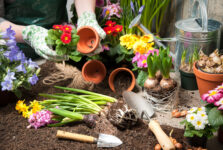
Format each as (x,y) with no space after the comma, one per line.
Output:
(111,9)
(17,70)
(141,59)
(197,117)
(27,111)
(215,97)
(112,29)
(138,44)
(66,33)
(40,118)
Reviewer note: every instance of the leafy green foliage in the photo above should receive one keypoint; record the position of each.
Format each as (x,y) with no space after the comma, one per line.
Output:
(215,117)
(165,62)
(190,131)
(141,78)
(54,40)
(152,62)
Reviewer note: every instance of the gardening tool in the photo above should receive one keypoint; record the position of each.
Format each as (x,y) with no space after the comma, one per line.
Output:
(143,108)
(201,33)
(104,140)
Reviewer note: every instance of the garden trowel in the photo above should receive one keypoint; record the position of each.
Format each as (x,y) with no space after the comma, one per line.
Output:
(104,140)
(144,109)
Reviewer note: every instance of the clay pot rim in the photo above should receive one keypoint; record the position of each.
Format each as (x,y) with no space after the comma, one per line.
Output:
(101,64)
(206,76)
(97,39)
(115,72)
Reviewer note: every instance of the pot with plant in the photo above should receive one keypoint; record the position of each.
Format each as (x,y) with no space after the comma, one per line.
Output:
(214,99)
(197,127)
(188,79)
(17,71)
(208,71)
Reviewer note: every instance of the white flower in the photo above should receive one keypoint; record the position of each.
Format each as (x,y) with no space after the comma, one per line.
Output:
(203,116)
(198,123)
(191,117)
(192,110)
(2,42)
(201,110)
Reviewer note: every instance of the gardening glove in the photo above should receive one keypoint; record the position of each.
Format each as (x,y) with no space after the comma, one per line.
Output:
(89,19)
(35,37)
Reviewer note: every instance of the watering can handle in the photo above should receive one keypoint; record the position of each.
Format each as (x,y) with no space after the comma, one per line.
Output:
(203,11)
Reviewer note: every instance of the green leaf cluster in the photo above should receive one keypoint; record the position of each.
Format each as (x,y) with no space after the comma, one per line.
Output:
(54,40)
(152,63)
(215,116)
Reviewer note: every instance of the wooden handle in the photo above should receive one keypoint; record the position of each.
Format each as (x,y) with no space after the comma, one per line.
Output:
(161,136)
(76,137)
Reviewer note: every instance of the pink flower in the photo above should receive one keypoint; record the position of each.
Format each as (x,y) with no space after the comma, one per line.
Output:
(40,118)
(220,88)
(105,47)
(142,62)
(136,57)
(220,107)
(111,10)
(218,103)
(212,96)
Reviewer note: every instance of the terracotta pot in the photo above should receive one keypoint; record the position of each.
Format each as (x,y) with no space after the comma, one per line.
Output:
(94,71)
(113,75)
(220,134)
(206,81)
(89,40)
(7,97)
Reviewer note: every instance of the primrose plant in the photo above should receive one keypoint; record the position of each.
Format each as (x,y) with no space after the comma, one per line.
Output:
(16,70)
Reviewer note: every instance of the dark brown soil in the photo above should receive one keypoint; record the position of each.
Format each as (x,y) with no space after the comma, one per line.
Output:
(15,136)
(122,81)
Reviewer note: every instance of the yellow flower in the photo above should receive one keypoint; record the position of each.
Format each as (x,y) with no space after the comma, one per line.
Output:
(140,47)
(128,40)
(36,106)
(20,106)
(26,113)
(147,38)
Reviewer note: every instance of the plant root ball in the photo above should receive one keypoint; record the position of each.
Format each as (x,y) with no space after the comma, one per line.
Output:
(167,84)
(151,83)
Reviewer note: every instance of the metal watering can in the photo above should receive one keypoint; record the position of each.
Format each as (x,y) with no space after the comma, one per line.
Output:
(192,33)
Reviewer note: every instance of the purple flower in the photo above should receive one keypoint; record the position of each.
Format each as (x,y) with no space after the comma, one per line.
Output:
(8,34)
(111,10)
(21,68)
(6,85)
(141,9)
(10,76)
(40,118)
(99,3)
(33,80)
(136,57)
(11,42)
(212,96)
(105,47)
(132,6)
(31,64)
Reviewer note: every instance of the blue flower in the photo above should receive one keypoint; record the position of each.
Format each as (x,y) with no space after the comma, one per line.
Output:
(10,75)
(141,9)
(11,42)
(132,6)
(6,85)
(8,34)
(33,80)
(21,68)
(32,64)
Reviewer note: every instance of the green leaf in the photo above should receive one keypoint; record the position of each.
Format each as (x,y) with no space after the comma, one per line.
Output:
(141,78)
(49,41)
(74,36)
(52,34)
(75,58)
(215,117)
(59,42)
(188,134)
(61,50)
(120,58)
(113,51)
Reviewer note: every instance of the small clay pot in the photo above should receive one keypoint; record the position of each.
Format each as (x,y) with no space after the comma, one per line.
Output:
(94,71)
(113,75)
(198,141)
(220,134)
(206,81)
(188,80)
(7,97)
(89,40)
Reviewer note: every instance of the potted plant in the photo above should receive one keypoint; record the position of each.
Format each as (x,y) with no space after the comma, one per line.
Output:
(214,98)
(64,39)
(188,79)
(197,127)
(16,70)
(208,71)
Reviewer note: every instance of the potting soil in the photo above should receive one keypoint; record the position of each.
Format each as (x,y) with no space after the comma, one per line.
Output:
(15,135)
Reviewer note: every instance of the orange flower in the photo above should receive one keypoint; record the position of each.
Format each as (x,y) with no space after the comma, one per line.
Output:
(57,27)
(108,30)
(109,23)
(118,28)
(67,29)
(65,38)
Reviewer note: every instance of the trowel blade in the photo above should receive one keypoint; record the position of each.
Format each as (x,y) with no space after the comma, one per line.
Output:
(106,140)
(138,103)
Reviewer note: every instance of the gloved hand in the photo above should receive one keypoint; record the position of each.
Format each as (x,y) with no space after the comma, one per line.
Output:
(89,19)
(35,37)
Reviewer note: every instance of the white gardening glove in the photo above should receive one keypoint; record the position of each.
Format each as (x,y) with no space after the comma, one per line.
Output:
(89,19)
(35,37)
